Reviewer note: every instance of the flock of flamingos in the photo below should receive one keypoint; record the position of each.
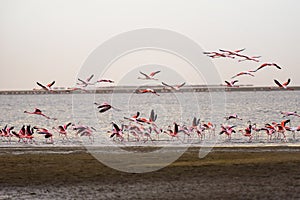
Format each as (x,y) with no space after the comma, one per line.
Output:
(144,129)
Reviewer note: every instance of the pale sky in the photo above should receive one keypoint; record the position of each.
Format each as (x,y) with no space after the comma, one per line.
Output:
(43,40)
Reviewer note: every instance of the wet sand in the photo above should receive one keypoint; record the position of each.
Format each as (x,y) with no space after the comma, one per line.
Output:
(225,173)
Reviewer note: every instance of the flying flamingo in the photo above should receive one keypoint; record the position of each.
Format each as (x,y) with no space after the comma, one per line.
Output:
(233,116)
(253,58)
(38,112)
(233,53)
(117,132)
(228,130)
(134,117)
(105,107)
(148,90)
(104,81)
(176,87)
(62,129)
(287,114)
(231,83)
(265,65)
(86,82)
(150,76)
(46,87)
(243,73)
(44,132)
(284,85)
(214,54)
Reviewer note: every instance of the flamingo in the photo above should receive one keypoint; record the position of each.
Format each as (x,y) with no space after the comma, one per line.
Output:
(45,132)
(134,117)
(105,107)
(176,87)
(234,53)
(38,112)
(62,129)
(253,58)
(228,130)
(265,65)
(248,132)
(293,130)
(117,132)
(233,116)
(284,85)
(231,83)
(148,77)
(46,87)
(105,81)
(214,54)
(86,82)
(243,73)
(148,90)
(287,114)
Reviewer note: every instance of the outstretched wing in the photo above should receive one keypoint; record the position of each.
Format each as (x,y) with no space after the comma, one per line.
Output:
(182,84)
(286,83)
(145,75)
(50,84)
(153,73)
(277,83)
(90,78)
(42,86)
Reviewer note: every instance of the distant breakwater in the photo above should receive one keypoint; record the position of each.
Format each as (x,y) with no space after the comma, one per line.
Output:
(133,89)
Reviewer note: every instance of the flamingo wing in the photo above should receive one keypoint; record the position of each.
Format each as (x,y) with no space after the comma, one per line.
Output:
(146,76)
(277,83)
(154,73)
(286,83)
(182,84)
(50,84)
(90,78)
(42,86)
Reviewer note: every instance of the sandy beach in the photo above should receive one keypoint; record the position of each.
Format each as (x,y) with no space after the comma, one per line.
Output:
(225,173)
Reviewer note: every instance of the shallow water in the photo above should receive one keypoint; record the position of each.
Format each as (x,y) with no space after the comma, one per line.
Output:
(259,107)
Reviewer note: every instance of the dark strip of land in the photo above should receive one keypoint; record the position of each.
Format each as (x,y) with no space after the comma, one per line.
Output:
(223,174)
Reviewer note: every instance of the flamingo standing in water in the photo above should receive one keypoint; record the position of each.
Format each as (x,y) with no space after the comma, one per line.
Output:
(46,87)
(248,132)
(38,112)
(283,85)
(150,76)
(176,87)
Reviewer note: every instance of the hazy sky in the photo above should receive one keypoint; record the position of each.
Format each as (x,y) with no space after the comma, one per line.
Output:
(43,40)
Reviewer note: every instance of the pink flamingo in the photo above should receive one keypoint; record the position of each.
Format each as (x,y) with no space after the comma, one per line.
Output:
(150,76)
(46,87)
(38,112)
(284,85)
(176,87)
(231,83)
(105,107)
(243,73)
(148,90)
(265,65)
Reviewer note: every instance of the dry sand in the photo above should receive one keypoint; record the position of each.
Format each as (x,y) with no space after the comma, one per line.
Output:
(225,173)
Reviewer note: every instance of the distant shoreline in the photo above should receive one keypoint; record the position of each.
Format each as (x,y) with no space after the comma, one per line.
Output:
(159,89)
